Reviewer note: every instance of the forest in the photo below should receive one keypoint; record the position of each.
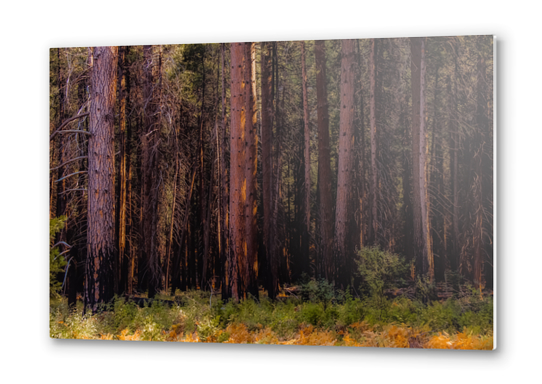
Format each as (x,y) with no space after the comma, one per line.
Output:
(334,192)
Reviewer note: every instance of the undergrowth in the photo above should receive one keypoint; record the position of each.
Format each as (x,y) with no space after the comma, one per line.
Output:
(322,317)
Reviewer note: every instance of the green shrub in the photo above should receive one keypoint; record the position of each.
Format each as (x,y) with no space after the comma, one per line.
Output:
(56,262)
(379,269)
(317,291)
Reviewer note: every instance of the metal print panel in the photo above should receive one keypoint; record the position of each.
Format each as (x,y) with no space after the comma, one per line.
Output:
(333,193)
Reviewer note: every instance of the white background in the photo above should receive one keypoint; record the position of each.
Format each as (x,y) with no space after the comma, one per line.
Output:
(29,30)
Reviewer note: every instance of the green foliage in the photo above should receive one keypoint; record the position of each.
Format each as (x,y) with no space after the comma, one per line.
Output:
(285,319)
(425,289)
(317,291)
(56,262)
(379,269)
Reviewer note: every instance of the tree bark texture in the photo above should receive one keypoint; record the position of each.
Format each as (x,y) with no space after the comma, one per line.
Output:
(343,244)
(99,282)
(419,158)
(237,254)
(324,164)
(307,171)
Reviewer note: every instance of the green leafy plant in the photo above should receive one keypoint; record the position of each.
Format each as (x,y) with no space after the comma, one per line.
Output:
(56,261)
(379,269)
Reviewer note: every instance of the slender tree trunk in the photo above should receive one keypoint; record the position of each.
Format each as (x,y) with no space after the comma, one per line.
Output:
(121,205)
(99,282)
(150,140)
(374,227)
(251,166)
(454,170)
(344,247)
(223,202)
(324,165)
(170,236)
(305,248)
(267,166)
(481,119)
(237,171)
(420,212)
(179,259)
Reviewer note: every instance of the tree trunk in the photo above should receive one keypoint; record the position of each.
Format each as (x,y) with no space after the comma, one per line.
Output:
(237,171)
(481,120)
(150,140)
(122,195)
(251,166)
(420,212)
(223,202)
(305,248)
(344,247)
(374,227)
(324,165)
(99,282)
(267,166)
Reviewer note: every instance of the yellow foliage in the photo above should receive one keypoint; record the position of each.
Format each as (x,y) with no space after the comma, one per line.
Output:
(125,336)
(239,334)
(309,336)
(190,338)
(266,336)
(107,336)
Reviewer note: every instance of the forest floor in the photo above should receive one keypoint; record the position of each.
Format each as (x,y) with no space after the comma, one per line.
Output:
(196,316)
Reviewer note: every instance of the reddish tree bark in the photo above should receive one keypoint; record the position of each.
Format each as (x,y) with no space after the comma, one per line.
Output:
(374,226)
(307,160)
(419,161)
(324,165)
(251,166)
(237,254)
(267,167)
(343,246)
(99,282)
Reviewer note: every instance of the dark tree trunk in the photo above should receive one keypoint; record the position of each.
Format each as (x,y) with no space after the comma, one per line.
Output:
(223,202)
(101,258)
(425,262)
(150,140)
(343,243)
(324,165)
(374,225)
(267,166)
(306,233)
(251,167)
(237,171)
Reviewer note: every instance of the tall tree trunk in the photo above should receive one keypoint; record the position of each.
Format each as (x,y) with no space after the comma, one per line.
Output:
(305,248)
(419,161)
(171,225)
(237,171)
(251,166)
(99,282)
(122,196)
(344,246)
(179,276)
(223,202)
(150,140)
(374,227)
(481,120)
(267,166)
(202,253)
(324,165)
(454,168)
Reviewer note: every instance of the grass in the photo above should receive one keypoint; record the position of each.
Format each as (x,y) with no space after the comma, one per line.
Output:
(341,320)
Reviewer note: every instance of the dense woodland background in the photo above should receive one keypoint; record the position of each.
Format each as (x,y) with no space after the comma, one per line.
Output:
(231,167)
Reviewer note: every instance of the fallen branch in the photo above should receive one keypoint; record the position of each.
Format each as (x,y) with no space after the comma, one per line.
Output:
(68,121)
(72,190)
(71,174)
(69,161)
(73,131)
